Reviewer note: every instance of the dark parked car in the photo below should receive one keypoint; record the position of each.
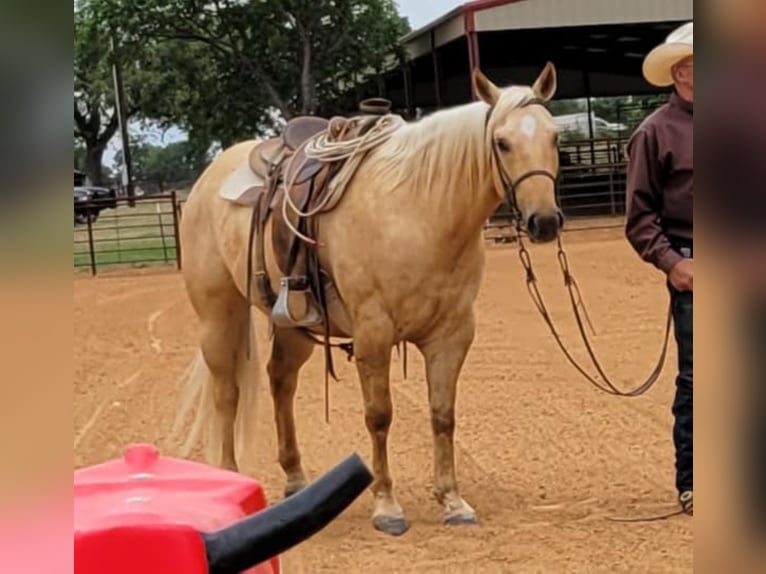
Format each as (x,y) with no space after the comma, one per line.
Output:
(93,199)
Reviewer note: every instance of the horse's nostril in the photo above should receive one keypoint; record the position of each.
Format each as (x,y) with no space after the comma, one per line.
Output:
(561,218)
(532,225)
(544,227)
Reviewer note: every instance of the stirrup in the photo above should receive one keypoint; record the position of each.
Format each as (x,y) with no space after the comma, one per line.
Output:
(281,314)
(686,500)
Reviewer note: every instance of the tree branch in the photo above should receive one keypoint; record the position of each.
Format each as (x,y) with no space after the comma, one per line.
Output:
(80,122)
(337,43)
(307,83)
(109,130)
(266,80)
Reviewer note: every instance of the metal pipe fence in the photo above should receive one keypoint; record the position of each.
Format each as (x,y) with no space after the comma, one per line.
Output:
(591,195)
(146,234)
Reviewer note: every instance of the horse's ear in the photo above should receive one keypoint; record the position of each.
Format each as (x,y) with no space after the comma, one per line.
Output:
(545,85)
(484,88)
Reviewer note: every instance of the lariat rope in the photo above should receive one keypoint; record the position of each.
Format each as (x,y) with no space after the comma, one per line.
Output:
(351,151)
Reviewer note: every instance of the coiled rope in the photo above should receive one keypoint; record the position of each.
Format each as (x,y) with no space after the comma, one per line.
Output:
(351,151)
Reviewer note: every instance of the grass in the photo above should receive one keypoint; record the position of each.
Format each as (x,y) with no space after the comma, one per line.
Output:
(132,236)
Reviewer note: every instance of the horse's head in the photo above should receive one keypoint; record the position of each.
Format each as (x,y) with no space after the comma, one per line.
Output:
(524,142)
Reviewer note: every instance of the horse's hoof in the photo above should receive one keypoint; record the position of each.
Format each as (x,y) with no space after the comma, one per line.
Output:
(290,490)
(461,519)
(393,525)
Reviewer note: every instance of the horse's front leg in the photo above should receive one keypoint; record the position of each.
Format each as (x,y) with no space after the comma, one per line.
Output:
(372,348)
(445,354)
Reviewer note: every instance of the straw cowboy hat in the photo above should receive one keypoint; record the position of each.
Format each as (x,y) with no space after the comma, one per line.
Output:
(658,63)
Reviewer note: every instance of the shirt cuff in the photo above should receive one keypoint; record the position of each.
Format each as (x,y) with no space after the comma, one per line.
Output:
(669,260)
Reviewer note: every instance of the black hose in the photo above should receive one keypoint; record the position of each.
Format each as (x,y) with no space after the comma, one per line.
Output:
(272,531)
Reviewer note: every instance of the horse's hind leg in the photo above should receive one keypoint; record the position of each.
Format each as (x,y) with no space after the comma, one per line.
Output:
(444,356)
(222,333)
(289,353)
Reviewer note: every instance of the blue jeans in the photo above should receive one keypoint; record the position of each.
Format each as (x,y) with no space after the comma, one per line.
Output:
(683,410)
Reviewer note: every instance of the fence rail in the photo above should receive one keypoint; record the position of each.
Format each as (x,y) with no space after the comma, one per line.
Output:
(592,196)
(146,234)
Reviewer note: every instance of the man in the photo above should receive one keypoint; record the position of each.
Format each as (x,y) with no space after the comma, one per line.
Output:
(659,218)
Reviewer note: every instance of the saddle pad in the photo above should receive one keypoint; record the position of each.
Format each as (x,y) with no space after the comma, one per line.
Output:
(243,186)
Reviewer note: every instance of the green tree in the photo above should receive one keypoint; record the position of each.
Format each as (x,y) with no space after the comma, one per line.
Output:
(148,76)
(95,121)
(163,165)
(264,59)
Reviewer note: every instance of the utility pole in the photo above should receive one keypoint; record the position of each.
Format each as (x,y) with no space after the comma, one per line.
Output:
(119,100)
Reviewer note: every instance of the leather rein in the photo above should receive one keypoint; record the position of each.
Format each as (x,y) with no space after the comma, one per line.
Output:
(605,385)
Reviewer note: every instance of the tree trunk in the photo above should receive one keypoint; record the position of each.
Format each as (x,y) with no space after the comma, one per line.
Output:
(308,106)
(93,163)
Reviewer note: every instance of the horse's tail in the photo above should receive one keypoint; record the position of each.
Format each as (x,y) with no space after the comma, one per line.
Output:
(199,389)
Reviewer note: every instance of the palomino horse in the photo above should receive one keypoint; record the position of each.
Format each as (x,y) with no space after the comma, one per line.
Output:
(405,252)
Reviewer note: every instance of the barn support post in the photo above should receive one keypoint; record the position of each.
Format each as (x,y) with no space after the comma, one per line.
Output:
(437,71)
(409,93)
(381,85)
(474,61)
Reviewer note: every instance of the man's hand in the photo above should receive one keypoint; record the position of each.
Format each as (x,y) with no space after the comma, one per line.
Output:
(681,276)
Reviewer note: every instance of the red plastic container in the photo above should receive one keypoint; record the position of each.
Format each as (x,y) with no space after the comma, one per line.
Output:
(143,514)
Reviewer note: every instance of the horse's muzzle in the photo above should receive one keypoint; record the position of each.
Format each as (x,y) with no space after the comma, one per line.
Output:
(545,228)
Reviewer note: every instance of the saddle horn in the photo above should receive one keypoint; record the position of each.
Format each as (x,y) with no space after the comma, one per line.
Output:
(375,106)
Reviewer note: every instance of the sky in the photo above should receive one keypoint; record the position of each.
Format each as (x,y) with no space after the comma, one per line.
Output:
(419,13)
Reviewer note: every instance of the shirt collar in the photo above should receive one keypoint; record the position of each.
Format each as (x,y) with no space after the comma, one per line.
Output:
(679,102)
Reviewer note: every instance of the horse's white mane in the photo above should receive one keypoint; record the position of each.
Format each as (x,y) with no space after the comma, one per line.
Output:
(439,144)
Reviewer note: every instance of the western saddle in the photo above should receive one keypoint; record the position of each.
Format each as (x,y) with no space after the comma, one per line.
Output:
(282,166)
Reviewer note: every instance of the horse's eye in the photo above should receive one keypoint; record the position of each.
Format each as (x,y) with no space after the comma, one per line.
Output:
(502,145)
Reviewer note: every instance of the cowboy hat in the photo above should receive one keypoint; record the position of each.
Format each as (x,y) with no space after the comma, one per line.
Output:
(658,63)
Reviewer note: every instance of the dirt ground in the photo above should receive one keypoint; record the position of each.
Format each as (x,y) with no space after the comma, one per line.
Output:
(543,457)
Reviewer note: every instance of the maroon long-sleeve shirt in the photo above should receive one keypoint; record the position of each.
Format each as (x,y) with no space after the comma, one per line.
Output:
(660,183)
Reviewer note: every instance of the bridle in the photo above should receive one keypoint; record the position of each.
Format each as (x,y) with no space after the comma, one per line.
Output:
(510,189)
(510,185)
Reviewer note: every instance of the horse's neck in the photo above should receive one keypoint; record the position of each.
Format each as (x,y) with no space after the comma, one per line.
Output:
(459,187)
